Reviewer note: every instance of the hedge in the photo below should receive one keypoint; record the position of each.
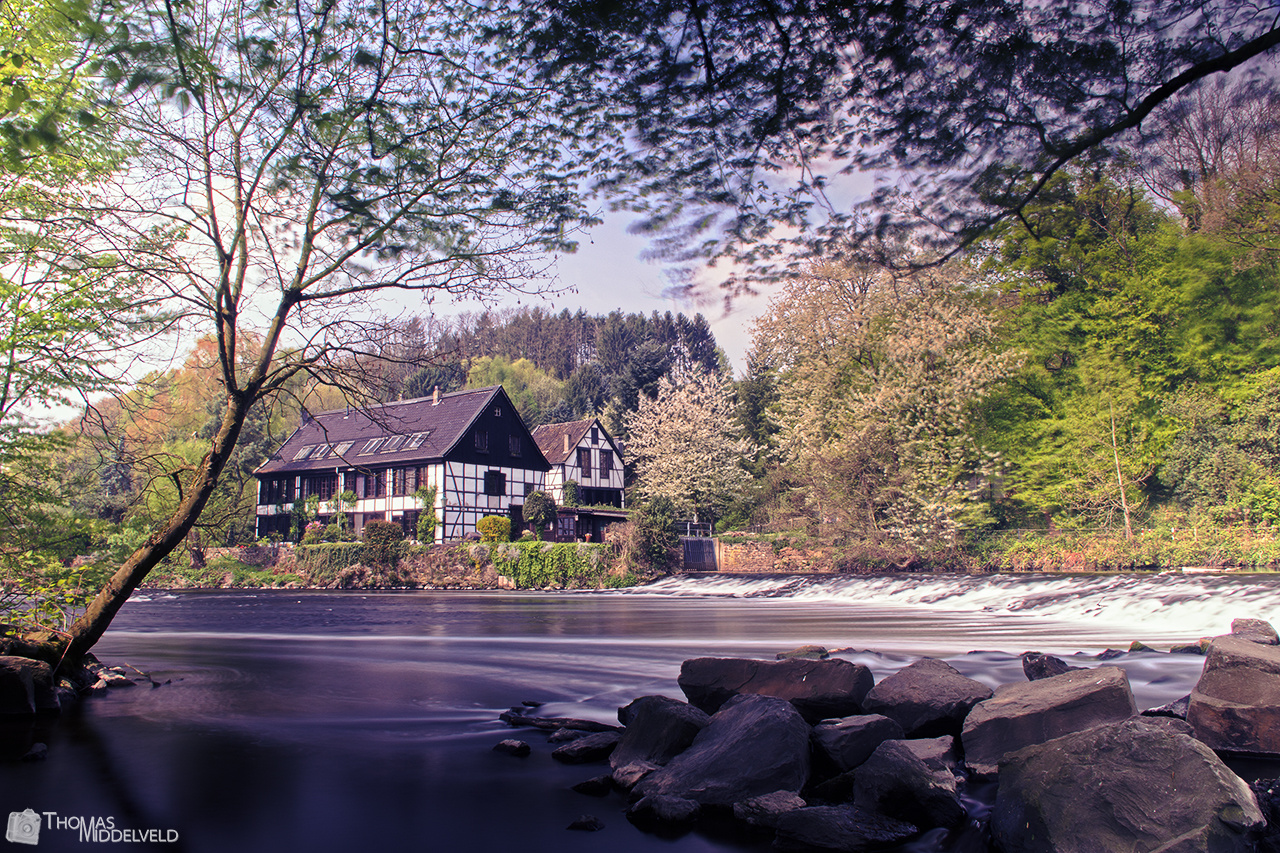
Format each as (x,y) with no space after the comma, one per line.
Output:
(538,565)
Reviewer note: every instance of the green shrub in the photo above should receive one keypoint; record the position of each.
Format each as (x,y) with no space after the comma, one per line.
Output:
(494,528)
(324,562)
(571,493)
(383,542)
(540,511)
(427,520)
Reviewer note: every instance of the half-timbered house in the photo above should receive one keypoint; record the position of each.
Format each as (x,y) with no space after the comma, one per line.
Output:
(471,446)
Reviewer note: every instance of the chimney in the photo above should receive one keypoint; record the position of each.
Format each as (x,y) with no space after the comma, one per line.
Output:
(435,396)
(566,442)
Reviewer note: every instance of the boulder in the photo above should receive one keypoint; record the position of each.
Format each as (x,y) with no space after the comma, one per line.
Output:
(896,782)
(1036,666)
(1236,703)
(511,746)
(1267,793)
(586,823)
(516,717)
(849,741)
(753,745)
(938,753)
(1176,709)
(594,747)
(565,735)
(805,652)
(663,809)
(27,686)
(818,688)
(839,828)
(1133,785)
(927,698)
(628,775)
(1036,711)
(659,729)
(766,809)
(1255,630)
(596,786)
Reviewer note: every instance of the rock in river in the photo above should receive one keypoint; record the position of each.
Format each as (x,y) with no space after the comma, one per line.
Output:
(753,745)
(818,688)
(1140,785)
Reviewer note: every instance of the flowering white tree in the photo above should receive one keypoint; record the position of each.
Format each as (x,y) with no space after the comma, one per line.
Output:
(879,380)
(688,447)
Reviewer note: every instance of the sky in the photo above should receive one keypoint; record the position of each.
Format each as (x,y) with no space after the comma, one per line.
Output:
(607,273)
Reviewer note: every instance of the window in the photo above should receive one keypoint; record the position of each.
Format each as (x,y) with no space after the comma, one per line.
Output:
(375,484)
(482,441)
(323,486)
(392,443)
(497,411)
(276,490)
(595,435)
(304,452)
(340,449)
(515,445)
(373,445)
(415,440)
(606,462)
(495,483)
(584,462)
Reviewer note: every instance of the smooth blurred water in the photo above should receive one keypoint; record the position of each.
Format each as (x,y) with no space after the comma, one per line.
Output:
(327,721)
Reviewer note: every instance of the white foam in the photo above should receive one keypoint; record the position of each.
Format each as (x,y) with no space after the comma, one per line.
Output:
(1169,603)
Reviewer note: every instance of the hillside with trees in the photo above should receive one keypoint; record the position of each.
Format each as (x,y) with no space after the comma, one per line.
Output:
(1108,364)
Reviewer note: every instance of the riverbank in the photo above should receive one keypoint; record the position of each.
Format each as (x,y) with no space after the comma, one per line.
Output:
(352,565)
(538,565)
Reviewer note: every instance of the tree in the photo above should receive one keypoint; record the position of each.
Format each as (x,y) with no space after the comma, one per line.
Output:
(687,447)
(67,307)
(741,118)
(540,511)
(302,160)
(532,391)
(879,381)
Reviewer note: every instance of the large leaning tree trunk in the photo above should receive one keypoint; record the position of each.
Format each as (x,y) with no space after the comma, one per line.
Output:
(289,163)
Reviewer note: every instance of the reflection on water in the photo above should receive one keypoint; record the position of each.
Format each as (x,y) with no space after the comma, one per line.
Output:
(339,721)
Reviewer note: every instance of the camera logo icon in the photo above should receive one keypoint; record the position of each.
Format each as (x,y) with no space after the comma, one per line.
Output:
(24,827)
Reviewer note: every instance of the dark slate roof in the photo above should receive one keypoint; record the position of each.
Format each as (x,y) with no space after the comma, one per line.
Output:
(550,438)
(426,432)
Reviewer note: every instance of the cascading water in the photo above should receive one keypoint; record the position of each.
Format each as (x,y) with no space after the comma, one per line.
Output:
(331,721)
(1156,608)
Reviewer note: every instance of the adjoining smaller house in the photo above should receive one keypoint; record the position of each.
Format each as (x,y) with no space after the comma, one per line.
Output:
(471,446)
(583,452)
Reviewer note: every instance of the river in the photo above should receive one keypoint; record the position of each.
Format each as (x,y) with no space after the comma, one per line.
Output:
(335,721)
